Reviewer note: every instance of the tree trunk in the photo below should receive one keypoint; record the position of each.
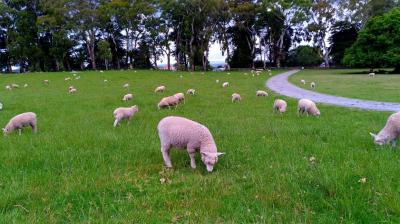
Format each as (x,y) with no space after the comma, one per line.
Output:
(191,47)
(9,68)
(106,62)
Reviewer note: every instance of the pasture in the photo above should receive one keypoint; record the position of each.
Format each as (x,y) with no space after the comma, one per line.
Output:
(277,168)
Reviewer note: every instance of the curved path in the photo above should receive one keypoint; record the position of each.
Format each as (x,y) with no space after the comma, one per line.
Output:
(281,85)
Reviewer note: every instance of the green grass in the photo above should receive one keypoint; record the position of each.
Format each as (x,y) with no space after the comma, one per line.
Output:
(343,83)
(78,168)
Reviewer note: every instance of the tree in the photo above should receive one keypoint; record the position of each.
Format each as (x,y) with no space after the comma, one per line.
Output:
(377,43)
(344,34)
(104,52)
(304,56)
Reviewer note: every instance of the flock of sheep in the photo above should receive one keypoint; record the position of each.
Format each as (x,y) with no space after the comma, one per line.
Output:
(183,133)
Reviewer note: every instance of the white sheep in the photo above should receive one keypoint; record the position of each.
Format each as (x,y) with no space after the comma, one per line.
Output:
(127,97)
(46,81)
(217,81)
(8,87)
(72,90)
(191,91)
(20,121)
(77,78)
(15,86)
(67,79)
(124,113)
(160,89)
(236,97)
(225,84)
(183,133)
(303,81)
(26,85)
(280,105)
(168,101)
(389,133)
(371,74)
(312,85)
(261,93)
(307,106)
(126,85)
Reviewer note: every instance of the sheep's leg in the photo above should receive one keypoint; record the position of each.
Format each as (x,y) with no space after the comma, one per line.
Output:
(165,154)
(34,128)
(19,131)
(116,122)
(129,120)
(192,154)
(394,143)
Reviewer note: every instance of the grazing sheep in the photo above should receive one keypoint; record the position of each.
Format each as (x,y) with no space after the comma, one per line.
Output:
(74,74)
(77,78)
(307,106)
(123,113)
(180,97)
(280,105)
(217,81)
(270,73)
(371,74)
(101,71)
(67,79)
(160,89)
(8,87)
(105,80)
(168,102)
(72,91)
(15,86)
(258,73)
(46,81)
(261,93)
(26,85)
(1,106)
(127,97)
(191,91)
(225,84)
(236,97)
(126,85)
(390,133)
(303,81)
(312,85)
(183,133)
(20,121)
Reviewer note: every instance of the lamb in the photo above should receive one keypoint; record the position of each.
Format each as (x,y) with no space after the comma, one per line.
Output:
(15,86)
(191,91)
(8,87)
(20,121)
(371,74)
(261,93)
(46,81)
(160,89)
(307,106)
(225,84)
(183,133)
(390,133)
(168,102)
(126,85)
(236,98)
(303,81)
(280,105)
(122,113)
(71,90)
(180,97)
(67,79)
(312,85)
(127,97)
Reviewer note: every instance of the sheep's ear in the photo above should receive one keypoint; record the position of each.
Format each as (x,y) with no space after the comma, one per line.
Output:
(373,135)
(220,154)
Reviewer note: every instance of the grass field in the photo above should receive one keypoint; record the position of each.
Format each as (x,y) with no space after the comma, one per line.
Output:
(78,168)
(343,83)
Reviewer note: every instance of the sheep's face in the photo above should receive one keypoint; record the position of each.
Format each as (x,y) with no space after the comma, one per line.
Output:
(6,131)
(379,140)
(210,159)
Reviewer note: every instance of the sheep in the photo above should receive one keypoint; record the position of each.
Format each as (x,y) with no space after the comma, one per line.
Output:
(124,113)
(307,106)
(105,80)
(258,72)
(261,93)
(20,121)
(125,86)
(127,97)
(72,90)
(191,91)
(390,133)
(8,87)
(160,89)
(217,81)
(46,81)
(280,105)
(180,97)
(101,71)
(168,102)
(67,79)
(74,74)
(1,106)
(15,86)
(236,98)
(26,85)
(77,78)
(225,84)
(303,81)
(183,133)
(312,84)
(371,74)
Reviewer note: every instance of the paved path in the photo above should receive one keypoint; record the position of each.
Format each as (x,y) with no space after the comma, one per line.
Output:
(281,85)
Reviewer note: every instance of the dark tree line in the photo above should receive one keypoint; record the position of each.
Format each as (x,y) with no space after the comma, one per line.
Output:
(48,35)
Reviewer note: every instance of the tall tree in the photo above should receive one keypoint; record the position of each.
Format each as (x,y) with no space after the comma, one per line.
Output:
(344,34)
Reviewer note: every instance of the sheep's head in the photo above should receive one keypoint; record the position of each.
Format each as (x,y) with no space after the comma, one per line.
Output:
(6,131)
(135,108)
(210,159)
(379,140)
